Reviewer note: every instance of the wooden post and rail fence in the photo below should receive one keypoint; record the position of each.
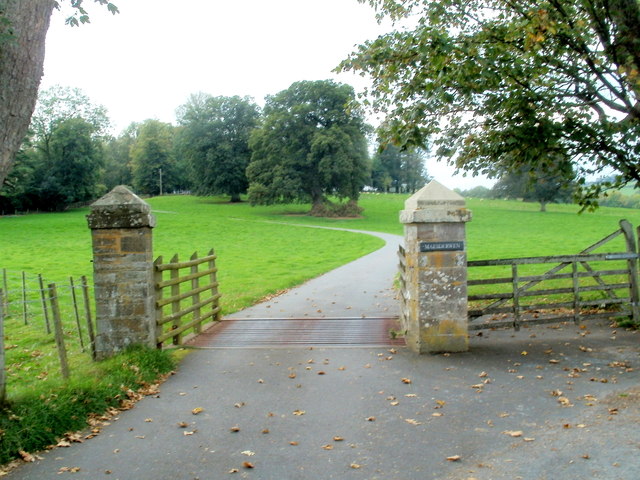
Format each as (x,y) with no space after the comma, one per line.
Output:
(192,308)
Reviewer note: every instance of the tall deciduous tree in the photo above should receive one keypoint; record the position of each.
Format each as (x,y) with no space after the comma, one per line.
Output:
(215,142)
(23,29)
(310,145)
(544,185)
(403,170)
(58,104)
(152,160)
(67,171)
(485,78)
(117,158)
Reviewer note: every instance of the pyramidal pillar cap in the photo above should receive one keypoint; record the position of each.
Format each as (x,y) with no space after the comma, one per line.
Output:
(435,203)
(120,208)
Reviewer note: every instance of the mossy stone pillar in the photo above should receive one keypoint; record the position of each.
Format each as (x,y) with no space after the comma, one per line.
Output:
(121,224)
(436,279)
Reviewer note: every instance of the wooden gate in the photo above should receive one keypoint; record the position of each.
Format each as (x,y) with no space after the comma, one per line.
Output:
(521,291)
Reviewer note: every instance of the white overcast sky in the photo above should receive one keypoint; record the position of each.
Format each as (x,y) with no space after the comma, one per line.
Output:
(145,62)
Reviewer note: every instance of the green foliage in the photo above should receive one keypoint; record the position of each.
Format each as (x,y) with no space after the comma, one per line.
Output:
(80,15)
(475,192)
(311,144)
(400,170)
(499,84)
(38,418)
(58,104)
(61,160)
(540,185)
(153,164)
(117,158)
(619,199)
(61,170)
(215,142)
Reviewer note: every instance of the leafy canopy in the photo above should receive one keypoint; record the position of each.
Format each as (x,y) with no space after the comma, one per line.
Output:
(215,142)
(499,84)
(311,145)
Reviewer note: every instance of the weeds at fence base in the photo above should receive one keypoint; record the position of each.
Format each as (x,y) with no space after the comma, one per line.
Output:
(40,417)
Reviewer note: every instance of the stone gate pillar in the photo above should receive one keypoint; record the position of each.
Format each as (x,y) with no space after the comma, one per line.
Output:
(121,224)
(436,279)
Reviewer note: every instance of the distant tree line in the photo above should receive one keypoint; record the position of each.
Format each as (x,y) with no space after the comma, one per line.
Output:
(545,188)
(309,144)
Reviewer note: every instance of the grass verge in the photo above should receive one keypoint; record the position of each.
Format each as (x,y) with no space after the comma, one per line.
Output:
(41,417)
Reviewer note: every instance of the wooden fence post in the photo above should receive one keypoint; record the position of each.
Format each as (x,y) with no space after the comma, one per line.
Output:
(59,333)
(175,293)
(195,299)
(44,304)
(75,309)
(87,312)
(3,377)
(214,283)
(576,292)
(157,280)
(25,310)
(5,283)
(634,293)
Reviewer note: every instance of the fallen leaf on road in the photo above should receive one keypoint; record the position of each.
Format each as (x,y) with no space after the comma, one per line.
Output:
(235,429)
(327,447)
(197,410)
(69,469)
(412,421)
(513,433)
(371,419)
(454,458)
(406,380)
(26,456)
(248,465)
(355,466)
(248,453)
(299,412)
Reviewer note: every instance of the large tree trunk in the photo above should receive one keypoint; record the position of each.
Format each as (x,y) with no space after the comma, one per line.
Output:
(21,68)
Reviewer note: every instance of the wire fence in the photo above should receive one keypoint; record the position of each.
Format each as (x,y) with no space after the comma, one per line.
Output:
(42,324)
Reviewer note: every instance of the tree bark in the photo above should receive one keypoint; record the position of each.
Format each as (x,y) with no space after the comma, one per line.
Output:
(21,69)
